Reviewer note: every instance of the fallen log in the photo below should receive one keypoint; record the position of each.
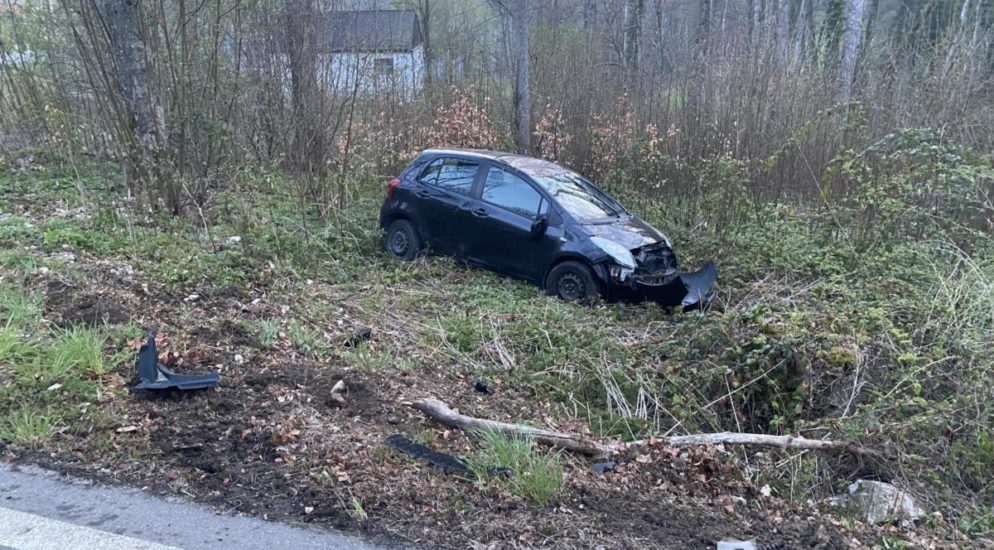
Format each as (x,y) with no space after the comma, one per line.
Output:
(442,413)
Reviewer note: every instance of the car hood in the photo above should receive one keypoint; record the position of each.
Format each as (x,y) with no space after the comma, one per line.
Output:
(629,232)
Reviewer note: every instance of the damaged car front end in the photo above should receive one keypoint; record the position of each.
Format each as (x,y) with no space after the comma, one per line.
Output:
(650,271)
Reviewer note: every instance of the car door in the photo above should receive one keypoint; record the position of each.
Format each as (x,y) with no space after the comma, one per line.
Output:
(508,206)
(443,192)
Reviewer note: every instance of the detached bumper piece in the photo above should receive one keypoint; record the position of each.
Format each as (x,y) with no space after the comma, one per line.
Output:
(153,375)
(699,286)
(687,290)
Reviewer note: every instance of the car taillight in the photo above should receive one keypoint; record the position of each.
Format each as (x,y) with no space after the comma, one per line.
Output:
(390,186)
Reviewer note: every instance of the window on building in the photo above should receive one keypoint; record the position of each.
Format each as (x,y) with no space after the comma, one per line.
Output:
(383,68)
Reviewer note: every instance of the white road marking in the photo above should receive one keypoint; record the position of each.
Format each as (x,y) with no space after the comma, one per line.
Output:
(30,532)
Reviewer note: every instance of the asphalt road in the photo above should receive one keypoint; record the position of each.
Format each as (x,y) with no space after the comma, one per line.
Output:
(40,510)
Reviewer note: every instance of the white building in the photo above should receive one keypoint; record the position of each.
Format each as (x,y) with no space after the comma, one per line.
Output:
(373,53)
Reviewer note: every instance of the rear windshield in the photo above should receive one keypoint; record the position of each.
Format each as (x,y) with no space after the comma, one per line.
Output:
(576,195)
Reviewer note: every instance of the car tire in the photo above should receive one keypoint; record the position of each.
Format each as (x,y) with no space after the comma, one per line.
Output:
(402,240)
(573,281)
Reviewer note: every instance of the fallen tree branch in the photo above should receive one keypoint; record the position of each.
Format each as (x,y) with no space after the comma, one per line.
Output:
(442,413)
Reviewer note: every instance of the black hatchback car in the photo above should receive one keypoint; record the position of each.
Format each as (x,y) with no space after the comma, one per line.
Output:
(536,220)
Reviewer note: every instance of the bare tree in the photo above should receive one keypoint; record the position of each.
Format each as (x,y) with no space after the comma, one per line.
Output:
(852,37)
(145,117)
(783,28)
(423,8)
(802,29)
(634,11)
(522,103)
(307,150)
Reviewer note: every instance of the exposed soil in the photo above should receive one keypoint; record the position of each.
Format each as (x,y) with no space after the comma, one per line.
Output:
(271,442)
(74,306)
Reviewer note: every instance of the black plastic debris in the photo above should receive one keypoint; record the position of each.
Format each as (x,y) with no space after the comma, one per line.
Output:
(442,461)
(361,335)
(700,287)
(602,467)
(482,387)
(446,463)
(153,375)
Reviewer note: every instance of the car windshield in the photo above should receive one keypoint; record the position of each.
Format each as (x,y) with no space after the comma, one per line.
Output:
(577,196)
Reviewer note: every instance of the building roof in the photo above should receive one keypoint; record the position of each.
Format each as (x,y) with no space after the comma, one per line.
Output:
(373,31)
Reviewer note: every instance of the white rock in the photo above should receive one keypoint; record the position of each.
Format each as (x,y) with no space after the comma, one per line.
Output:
(878,502)
(234,239)
(239,359)
(736,545)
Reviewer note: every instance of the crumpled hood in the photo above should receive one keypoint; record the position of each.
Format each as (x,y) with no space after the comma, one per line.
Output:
(629,232)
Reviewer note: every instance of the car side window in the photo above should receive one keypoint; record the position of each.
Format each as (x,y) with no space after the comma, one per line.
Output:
(450,174)
(504,189)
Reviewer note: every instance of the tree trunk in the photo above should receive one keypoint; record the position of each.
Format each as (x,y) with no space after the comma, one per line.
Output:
(589,14)
(783,29)
(634,12)
(801,29)
(146,119)
(755,20)
(852,37)
(424,6)
(306,150)
(519,22)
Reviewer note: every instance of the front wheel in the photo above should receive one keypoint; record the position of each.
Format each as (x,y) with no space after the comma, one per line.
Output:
(572,282)
(402,240)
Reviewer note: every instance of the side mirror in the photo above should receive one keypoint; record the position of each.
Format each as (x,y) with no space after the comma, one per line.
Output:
(539,226)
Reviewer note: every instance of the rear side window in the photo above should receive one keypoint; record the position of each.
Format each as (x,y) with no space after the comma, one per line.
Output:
(450,174)
(512,193)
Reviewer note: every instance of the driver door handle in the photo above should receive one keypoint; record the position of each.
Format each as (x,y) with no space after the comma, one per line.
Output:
(480,212)
(423,193)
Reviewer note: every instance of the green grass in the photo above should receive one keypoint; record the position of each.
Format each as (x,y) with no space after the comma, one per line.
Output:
(19,307)
(79,350)
(304,338)
(28,427)
(535,475)
(269,332)
(18,260)
(65,368)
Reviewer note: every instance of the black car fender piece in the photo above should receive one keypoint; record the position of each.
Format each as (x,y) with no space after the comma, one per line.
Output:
(153,375)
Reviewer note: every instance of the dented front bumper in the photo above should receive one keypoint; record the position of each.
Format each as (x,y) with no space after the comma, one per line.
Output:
(665,285)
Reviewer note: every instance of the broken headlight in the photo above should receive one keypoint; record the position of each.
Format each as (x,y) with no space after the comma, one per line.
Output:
(621,255)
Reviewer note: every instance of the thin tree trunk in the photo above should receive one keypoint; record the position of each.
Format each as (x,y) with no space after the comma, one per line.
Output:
(589,14)
(424,6)
(306,149)
(852,37)
(783,29)
(522,102)
(146,118)
(801,30)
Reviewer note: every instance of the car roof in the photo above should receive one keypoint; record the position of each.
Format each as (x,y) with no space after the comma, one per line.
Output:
(529,165)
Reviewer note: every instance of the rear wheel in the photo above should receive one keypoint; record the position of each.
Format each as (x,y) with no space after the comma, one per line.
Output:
(402,240)
(573,282)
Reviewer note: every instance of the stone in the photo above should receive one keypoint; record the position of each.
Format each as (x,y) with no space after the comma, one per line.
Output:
(878,502)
